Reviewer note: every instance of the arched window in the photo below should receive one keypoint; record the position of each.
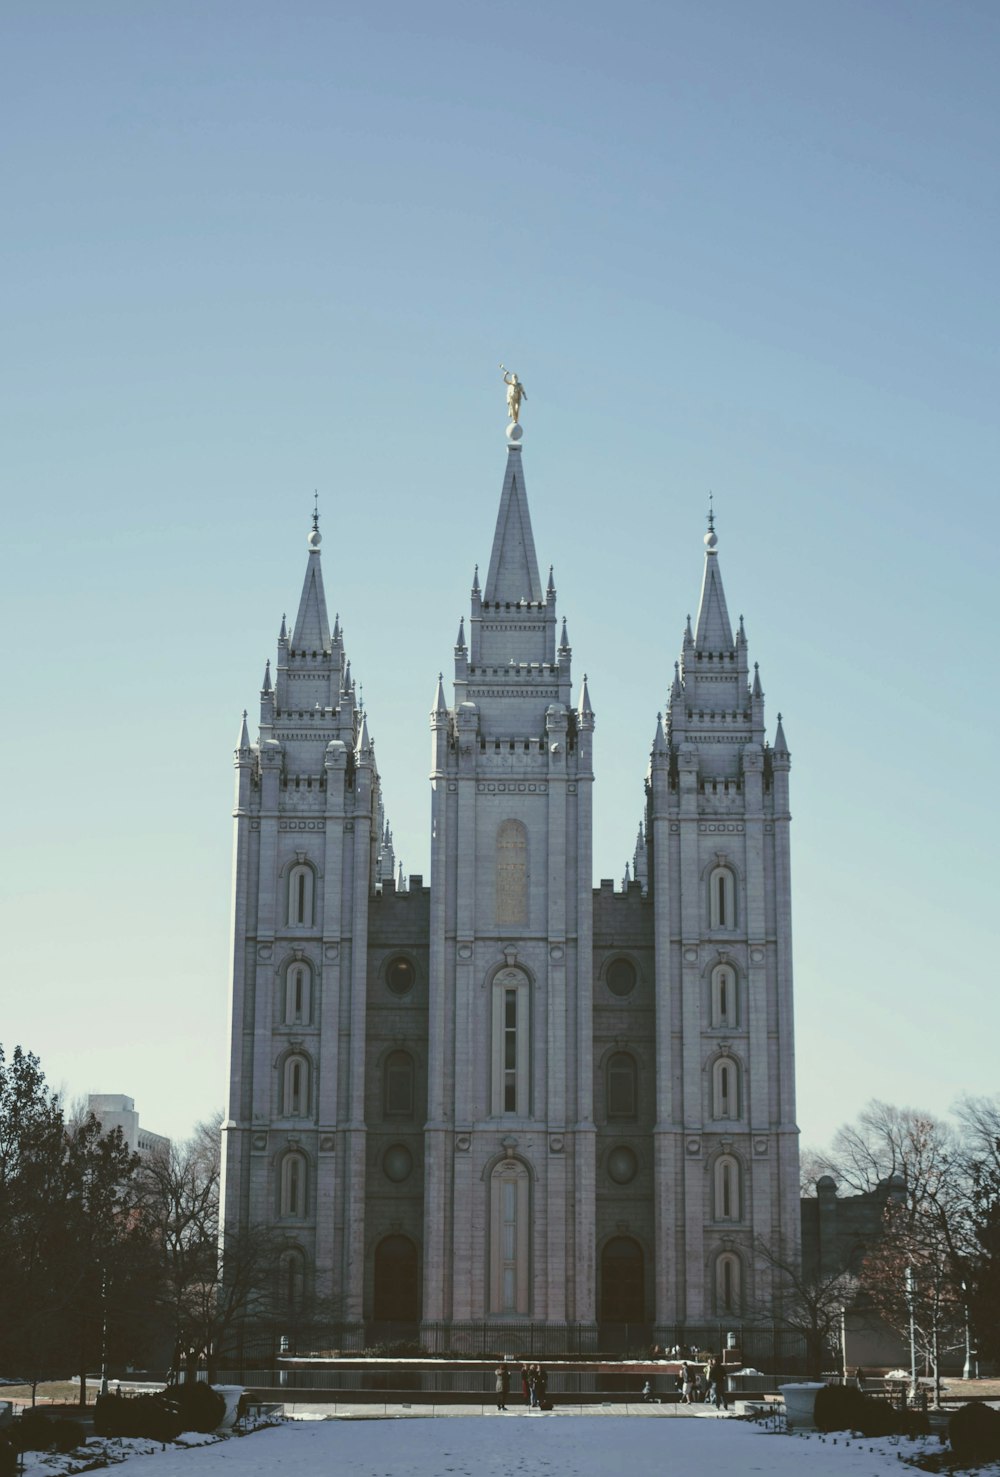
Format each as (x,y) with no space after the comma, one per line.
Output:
(301,892)
(722,898)
(512,873)
(397,1085)
(291,1280)
(727,1188)
(623,1292)
(728,1283)
(511,1087)
(510,1205)
(397,1289)
(294,1185)
(724,1003)
(298,995)
(621,1086)
(725,1088)
(295,1087)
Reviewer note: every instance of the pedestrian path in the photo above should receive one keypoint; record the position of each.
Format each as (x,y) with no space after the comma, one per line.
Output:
(375,1410)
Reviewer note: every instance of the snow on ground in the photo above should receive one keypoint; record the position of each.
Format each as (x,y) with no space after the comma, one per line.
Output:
(525,1446)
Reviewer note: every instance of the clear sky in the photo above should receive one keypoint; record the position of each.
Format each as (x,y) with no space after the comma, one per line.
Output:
(256,249)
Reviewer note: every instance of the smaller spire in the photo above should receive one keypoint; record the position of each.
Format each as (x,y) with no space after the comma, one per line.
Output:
(440,706)
(460,639)
(336,626)
(780,746)
(401,884)
(711,512)
(564,639)
(475,581)
(364,742)
(741,635)
(627,878)
(347,677)
(585,710)
(244,742)
(659,738)
(675,686)
(315,511)
(283,633)
(552,583)
(267,676)
(758,691)
(688,633)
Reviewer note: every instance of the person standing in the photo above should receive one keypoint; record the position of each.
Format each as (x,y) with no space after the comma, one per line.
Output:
(542,1379)
(503,1386)
(717,1385)
(526,1383)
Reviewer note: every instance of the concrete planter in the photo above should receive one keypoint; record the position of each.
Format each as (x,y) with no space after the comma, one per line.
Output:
(800,1402)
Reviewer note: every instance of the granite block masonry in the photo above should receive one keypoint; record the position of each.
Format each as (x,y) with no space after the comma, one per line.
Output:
(509,1096)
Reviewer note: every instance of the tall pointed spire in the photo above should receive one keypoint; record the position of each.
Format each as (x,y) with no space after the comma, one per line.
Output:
(440,704)
(513,573)
(460,638)
(311,631)
(780,746)
(244,740)
(713,632)
(267,677)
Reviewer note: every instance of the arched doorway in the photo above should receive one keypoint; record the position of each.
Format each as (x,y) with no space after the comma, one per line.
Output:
(397,1286)
(623,1288)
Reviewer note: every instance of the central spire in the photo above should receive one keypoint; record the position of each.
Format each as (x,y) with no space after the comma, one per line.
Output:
(513,573)
(311,631)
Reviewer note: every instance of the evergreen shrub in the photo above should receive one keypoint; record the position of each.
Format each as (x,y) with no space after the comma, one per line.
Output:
(974,1433)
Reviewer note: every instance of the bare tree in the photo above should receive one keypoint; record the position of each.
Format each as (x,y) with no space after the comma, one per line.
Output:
(810,1304)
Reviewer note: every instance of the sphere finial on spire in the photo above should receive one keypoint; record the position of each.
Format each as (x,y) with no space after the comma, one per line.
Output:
(711,537)
(315,537)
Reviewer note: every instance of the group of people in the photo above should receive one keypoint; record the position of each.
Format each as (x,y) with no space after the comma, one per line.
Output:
(534,1384)
(707,1384)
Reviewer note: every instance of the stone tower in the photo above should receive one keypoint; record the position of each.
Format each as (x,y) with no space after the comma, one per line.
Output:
(717,819)
(509,1143)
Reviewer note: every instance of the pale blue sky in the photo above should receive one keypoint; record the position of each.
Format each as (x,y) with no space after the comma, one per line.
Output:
(253,250)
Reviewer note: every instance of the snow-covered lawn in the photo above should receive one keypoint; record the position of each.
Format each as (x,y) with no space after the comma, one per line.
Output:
(525,1446)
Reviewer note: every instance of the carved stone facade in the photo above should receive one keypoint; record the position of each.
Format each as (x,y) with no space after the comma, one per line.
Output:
(511,1096)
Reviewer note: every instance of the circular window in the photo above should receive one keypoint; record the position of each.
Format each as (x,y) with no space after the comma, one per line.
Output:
(621,977)
(399,976)
(397,1163)
(622,1165)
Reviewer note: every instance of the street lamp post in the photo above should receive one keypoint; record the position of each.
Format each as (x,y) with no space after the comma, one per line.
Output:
(970,1370)
(104,1331)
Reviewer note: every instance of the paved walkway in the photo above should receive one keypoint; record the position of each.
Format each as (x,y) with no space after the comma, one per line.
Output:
(374,1410)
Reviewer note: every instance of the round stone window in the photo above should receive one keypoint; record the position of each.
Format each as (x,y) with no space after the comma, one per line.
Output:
(622,1165)
(621,977)
(397,1163)
(399,976)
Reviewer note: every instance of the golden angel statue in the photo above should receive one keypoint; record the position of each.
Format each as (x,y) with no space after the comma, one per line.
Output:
(515,394)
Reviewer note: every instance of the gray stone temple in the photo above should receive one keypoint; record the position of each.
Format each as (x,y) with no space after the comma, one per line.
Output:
(509,1095)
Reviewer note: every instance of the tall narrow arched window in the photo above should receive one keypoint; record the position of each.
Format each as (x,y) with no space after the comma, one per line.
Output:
(397,1085)
(512,873)
(728,1283)
(298,994)
(294,1185)
(511,1086)
(725,1088)
(621,1094)
(727,1188)
(722,898)
(291,1280)
(301,896)
(724,1010)
(295,1086)
(510,1239)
